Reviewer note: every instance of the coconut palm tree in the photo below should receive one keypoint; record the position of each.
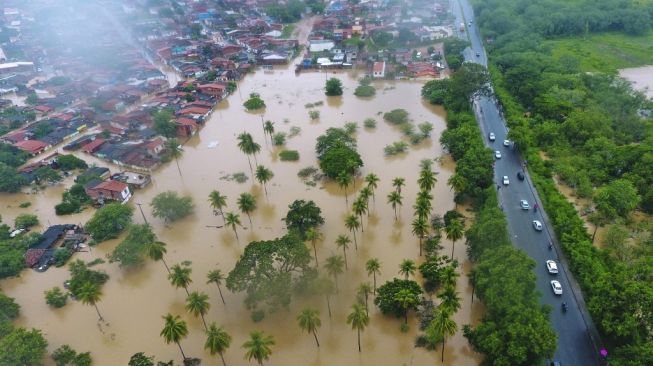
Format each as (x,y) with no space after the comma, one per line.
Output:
(394,199)
(365,194)
(268,127)
(218,202)
(180,276)
(217,341)
(343,241)
(454,231)
(216,276)
(397,183)
(360,207)
(258,346)
(263,176)
(423,205)
(325,286)
(334,266)
(174,151)
(407,267)
(247,145)
(233,220)
(407,300)
(373,267)
(156,250)
(441,326)
(90,294)
(344,180)
(358,319)
(313,234)
(449,298)
(197,303)
(309,321)
(363,293)
(247,204)
(426,180)
(372,181)
(420,229)
(174,330)
(352,224)
(449,276)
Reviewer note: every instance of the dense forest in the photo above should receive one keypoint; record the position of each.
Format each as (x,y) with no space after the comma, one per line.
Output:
(593,132)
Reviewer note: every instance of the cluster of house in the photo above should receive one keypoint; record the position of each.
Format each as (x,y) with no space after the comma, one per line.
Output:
(42,254)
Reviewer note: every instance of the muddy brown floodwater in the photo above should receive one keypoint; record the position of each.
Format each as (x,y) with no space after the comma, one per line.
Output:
(134,300)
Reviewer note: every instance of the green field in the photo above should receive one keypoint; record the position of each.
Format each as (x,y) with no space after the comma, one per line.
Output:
(605,52)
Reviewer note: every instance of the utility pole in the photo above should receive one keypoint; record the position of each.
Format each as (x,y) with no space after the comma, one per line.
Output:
(142,213)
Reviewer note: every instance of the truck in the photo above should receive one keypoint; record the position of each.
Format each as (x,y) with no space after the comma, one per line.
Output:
(462,27)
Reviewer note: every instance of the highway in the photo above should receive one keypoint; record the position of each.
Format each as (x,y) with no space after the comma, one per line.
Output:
(575,332)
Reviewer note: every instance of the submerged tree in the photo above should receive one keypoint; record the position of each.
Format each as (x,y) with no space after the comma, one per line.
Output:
(90,294)
(174,330)
(334,266)
(263,176)
(180,276)
(216,276)
(342,241)
(373,267)
(309,321)
(217,341)
(358,319)
(198,304)
(218,202)
(352,224)
(247,204)
(258,347)
(233,220)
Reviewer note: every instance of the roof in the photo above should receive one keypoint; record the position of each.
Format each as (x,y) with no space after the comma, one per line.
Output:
(31,145)
(111,185)
(93,145)
(195,110)
(379,66)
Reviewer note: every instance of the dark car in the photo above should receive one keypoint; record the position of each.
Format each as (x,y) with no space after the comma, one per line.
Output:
(520,175)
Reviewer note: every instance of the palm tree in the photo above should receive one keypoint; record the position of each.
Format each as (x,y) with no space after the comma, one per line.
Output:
(313,234)
(363,293)
(217,341)
(449,298)
(455,231)
(373,267)
(247,146)
(174,151)
(426,179)
(407,299)
(216,276)
(218,202)
(458,183)
(325,286)
(372,181)
(448,276)
(394,198)
(309,321)
(407,267)
(352,224)
(360,207)
(398,183)
(334,265)
(423,204)
(90,294)
(342,241)
(180,276)
(420,229)
(174,330)
(268,127)
(233,220)
(247,204)
(358,319)
(155,250)
(344,180)
(263,176)
(441,326)
(365,193)
(258,347)
(197,303)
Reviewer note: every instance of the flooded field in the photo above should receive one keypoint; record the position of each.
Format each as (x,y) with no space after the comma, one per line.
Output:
(641,77)
(134,300)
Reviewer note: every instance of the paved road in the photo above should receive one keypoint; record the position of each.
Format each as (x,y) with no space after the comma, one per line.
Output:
(575,346)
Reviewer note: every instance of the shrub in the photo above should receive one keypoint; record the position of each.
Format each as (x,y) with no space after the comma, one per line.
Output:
(369,123)
(25,204)
(240,177)
(351,127)
(278,138)
(314,114)
(294,131)
(70,162)
(61,256)
(396,116)
(395,148)
(289,155)
(67,208)
(24,221)
(333,87)
(170,206)
(254,102)
(56,298)
(365,91)
(307,172)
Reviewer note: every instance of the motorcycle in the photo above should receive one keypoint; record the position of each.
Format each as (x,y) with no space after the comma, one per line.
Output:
(564,307)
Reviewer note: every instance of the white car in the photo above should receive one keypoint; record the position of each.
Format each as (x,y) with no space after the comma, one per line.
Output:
(524,205)
(506,181)
(537,225)
(491,136)
(506,142)
(497,154)
(551,266)
(556,287)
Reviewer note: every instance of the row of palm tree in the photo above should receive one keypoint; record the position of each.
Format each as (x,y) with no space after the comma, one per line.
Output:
(248,146)
(246,202)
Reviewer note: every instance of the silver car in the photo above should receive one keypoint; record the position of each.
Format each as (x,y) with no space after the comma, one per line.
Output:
(551,266)
(497,154)
(537,225)
(556,287)
(524,205)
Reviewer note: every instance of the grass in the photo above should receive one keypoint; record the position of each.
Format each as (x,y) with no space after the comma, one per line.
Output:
(289,155)
(287,31)
(605,52)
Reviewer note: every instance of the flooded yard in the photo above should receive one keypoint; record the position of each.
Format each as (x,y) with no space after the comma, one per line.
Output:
(134,300)
(641,77)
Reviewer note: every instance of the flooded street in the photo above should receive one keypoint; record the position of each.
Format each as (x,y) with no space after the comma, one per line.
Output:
(134,300)
(641,77)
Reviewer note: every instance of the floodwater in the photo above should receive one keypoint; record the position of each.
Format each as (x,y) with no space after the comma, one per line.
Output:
(134,300)
(641,78)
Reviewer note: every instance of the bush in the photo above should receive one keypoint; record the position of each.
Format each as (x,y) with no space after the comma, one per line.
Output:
(25,204)
(395,148)
(314,114)
(254,102)
(307,172)
(170,206)
(24,221)
(396,116)
(67,208)
(61,256)
(56,298)
(278,138)
(109,221)
(333,87)
(240,177)
(289,155)
(70,162)
(365,91)
(351,127)
(369,123)
(386,296)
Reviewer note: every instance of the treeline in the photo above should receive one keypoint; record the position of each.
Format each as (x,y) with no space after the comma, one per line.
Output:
(589,126)
(503,276)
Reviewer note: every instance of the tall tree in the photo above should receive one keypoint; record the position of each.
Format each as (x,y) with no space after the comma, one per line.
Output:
(180,276)
(156,251)
(373,267)
(423,205)
(420,229)
(334,266)
(358,319)
(313,234)
(352,224)
(268,127)
(258,347)
(363,293)
(263,176)
(217,341)
(426,180)
(449,275)
(360,207)
(364,194)
(309,321)
(248,147)
(174,150)
(372,181)
(344,180)
(174,330)
(342,241)
(441,326)
(454,231)
(324,286)
(247,204)
(197,303)
(233,220)
(395,199)
(218,202)
(90,294)
(407,300)
(407,267)
(449,299)
(397,183)
(216,276)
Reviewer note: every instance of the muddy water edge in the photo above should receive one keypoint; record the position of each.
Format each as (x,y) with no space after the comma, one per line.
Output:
(134,300)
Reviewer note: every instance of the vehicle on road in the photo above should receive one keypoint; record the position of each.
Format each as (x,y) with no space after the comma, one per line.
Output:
(551,266)
(564,307)
(520,175)
(491,136)
(556,287)
(506,142)
(478,54)
(506,181)
(537,225)
(497,154)
(524,205)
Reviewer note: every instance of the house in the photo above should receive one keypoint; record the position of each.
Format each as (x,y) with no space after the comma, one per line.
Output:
(212,89)
(33,147)
(378,70)
(154,147)
(321,45)
(109,190)
(93,146)
(186,127)
(96,171)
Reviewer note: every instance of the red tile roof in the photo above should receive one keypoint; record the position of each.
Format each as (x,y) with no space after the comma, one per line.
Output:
(111,185)
(195,110)
(91,146)
(32,146)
